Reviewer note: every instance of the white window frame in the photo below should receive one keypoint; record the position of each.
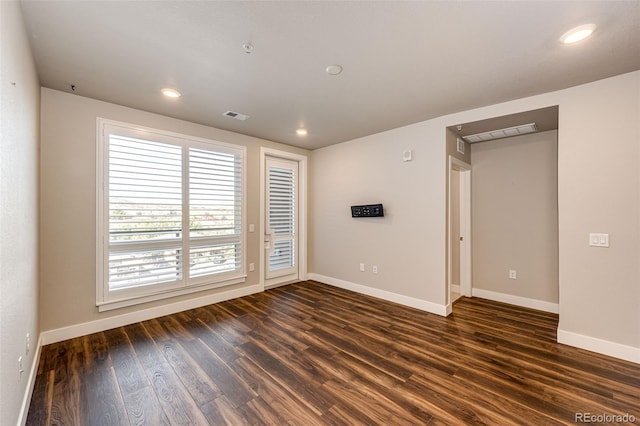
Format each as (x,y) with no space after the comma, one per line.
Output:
(106,299)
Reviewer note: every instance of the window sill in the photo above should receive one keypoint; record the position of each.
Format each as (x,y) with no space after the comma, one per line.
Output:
(165,295)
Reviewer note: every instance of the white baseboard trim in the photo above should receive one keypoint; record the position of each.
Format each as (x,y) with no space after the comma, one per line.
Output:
(26,400)
(64,333)
(455,288)
(280,282)
(525,302)
(412,302)
(604,347)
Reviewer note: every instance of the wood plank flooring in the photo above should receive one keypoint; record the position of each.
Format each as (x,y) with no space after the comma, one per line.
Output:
(311,354)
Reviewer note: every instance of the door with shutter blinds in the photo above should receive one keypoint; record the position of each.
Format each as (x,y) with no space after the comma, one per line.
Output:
(281,239)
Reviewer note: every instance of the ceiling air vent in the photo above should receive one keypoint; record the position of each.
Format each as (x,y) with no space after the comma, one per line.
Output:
(236,115)
(502,133)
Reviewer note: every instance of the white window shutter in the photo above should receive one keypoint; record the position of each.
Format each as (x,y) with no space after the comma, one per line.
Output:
(170,214)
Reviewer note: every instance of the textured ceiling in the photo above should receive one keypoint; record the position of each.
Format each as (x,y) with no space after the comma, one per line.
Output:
(403,62)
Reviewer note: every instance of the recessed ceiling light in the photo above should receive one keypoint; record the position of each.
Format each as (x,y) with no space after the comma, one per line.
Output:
(577,34)
(301,132)
(171,93)
(334,69)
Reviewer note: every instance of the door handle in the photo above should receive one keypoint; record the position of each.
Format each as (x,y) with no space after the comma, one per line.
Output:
(268,237)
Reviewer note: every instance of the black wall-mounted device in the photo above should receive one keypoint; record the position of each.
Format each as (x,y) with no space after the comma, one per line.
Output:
(369,210)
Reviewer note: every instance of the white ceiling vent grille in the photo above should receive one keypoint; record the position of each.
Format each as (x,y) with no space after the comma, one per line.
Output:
(502,133)
(236,115)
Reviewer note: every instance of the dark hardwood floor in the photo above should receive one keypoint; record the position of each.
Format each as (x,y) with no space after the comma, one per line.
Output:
(311,354)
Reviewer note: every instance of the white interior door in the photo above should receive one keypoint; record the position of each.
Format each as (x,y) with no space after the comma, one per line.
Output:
(459,257)
(281,220)
(465,231)
(456,238)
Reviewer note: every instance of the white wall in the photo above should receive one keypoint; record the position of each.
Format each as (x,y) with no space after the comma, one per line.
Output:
(598,191)
(515,216)
(19,117)
(68,207)
(407,244)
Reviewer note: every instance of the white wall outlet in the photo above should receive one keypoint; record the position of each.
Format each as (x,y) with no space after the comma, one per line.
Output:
(375,269)
(362,267)
(28,344)
(598,240)
(252,267)
(513,274)
(252,227)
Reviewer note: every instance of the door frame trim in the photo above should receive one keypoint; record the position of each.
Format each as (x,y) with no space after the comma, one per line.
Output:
(465,229)
(302,161)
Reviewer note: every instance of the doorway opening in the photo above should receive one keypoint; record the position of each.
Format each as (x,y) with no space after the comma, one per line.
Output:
(515,212)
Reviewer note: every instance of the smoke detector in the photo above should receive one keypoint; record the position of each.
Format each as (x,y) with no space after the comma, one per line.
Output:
(247,47)
(334,69)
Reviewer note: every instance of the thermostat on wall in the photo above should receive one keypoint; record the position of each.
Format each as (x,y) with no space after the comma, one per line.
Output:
(369,210)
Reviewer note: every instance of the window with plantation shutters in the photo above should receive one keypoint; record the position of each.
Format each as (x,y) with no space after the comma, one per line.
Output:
(170,214)
(215,212)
